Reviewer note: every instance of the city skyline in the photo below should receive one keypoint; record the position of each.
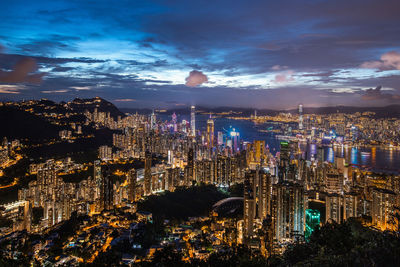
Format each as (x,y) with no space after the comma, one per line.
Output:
(200,133)
(157,54)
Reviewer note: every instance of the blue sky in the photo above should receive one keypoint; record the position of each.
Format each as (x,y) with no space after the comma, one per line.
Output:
(264,54)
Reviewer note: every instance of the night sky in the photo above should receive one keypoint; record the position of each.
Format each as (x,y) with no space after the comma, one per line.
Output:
(264,54)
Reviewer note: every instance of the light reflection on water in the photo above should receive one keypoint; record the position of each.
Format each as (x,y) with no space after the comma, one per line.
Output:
(377,158)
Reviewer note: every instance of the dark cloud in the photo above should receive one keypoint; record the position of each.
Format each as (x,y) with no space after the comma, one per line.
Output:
(24,71)
(45,47)
(377,94)
(62,69)
(7,60)
(196,78)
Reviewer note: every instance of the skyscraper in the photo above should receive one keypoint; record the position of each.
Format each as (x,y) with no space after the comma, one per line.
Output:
(107,191)
(147,173)
(288,211)
(300,117)
(313,219)
(99,183)
(264,193)
(174,121)
(193,121)
(210,132)
(190,167)
(334,207)
(249,205)
(257,198)
(383,203)
(153,121)
(131,185)
(284,161)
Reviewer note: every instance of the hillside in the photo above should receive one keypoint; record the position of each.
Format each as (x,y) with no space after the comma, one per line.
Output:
(80,105)
(19,124)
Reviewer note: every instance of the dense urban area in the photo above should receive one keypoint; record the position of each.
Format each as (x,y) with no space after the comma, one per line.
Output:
(84,184)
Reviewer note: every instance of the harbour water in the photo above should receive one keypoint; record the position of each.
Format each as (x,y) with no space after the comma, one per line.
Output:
(379,159)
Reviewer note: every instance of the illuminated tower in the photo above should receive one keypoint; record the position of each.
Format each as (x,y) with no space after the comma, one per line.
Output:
(383,202)
(107,189)
(147,173)
(153,121)
(210,132)
(131,185)
(174,120)
(98,180)
(300,117)
(193,121)
(288,211)
(284,160)
(249,205)
(313,219)
(235,139)
(190,167)
(264,194)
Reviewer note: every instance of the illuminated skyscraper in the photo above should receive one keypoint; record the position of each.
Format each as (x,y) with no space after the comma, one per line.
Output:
(334,210)
(284,161)
(383,203)
(131,185)
(300,117)
(99,183)
(235,140)
(313,219)
(257,198)
(288,211)
(220,138)
(249,205)
(259,151)
(210,133)
(107,191)
(190,167)
(174,121)
(147,173)
(153,121)
(193,121)
(264,194)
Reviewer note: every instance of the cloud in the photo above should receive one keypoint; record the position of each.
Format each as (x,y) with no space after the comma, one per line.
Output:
(81,88)
(389,61)
(10,89)
(196,78)
(284,77)
(376,94)
(62,69)
(278,67)
(125,100)
(23,72)
(55,91)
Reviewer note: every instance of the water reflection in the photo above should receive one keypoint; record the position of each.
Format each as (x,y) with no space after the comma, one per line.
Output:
(379,159)
(331,155)
(354,155)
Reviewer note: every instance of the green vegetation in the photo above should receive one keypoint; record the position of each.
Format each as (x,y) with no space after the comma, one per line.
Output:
(346,244)
(24,125)
(183,202)
(236,190)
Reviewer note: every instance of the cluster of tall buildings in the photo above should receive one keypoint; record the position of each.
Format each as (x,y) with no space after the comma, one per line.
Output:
(286,198)
(285,195)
